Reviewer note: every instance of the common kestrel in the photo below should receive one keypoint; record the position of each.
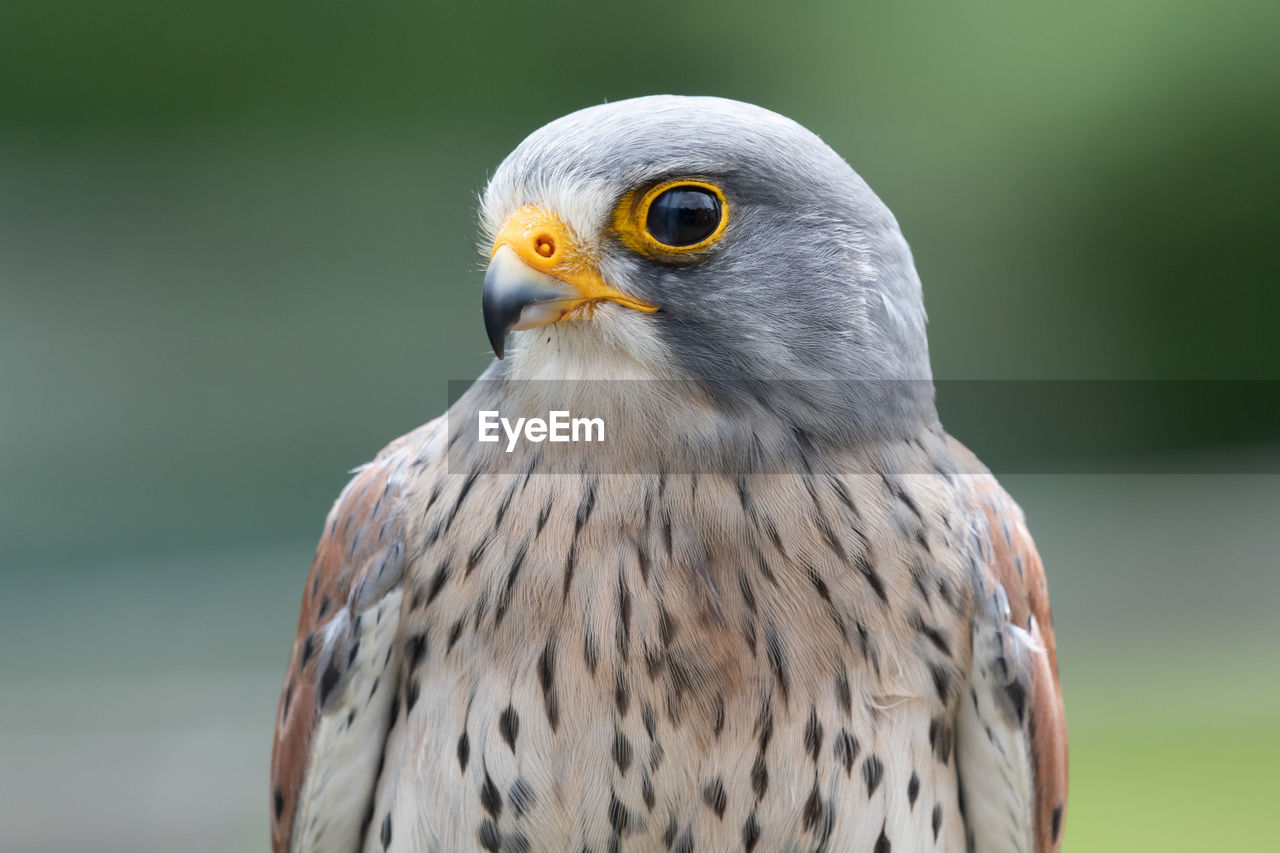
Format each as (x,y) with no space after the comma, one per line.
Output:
(775,608)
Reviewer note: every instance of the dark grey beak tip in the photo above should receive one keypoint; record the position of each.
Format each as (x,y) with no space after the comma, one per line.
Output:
(496,325)
(501,312)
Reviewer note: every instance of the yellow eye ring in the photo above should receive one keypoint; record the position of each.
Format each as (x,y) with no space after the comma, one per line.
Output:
(631,220)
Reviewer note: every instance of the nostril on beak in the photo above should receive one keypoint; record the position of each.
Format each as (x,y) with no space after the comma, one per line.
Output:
(544,245)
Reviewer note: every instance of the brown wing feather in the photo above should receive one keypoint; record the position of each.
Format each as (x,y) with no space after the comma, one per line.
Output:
(358,559)
(1012,564)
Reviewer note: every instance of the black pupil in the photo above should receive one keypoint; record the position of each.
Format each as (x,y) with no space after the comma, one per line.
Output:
(683,216)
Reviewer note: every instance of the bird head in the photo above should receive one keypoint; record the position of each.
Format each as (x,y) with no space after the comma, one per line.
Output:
(696,238)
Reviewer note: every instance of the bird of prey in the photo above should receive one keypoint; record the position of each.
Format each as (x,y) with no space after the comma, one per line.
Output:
(778,608)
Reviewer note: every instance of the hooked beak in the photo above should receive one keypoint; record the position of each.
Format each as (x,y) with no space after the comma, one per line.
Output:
(537,276)
(516,296)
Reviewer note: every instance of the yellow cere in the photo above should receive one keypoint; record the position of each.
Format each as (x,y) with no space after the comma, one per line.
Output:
(545,243)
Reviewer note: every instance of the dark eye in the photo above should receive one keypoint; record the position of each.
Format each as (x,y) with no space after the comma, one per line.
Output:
(684,216)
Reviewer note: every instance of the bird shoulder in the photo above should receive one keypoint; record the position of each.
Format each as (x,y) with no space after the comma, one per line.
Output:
(334,709)
(1011,738)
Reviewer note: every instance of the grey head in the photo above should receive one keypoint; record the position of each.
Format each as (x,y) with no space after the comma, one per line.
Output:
(809,279)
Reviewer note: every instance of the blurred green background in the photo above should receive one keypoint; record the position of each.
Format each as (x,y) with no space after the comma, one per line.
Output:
(237,256)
